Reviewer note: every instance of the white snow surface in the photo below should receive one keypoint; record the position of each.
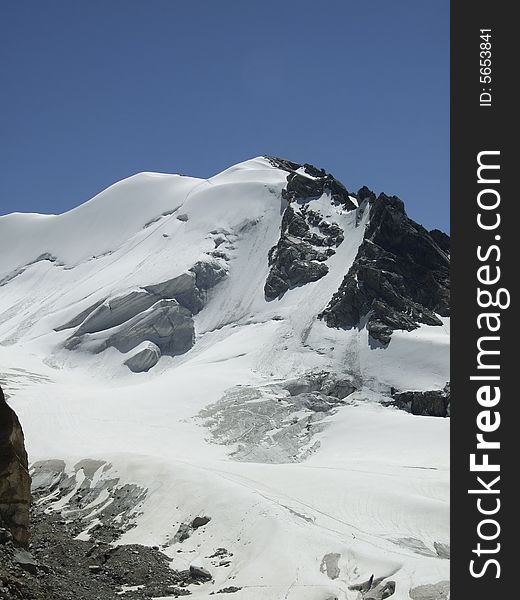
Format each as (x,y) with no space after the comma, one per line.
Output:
(379,478)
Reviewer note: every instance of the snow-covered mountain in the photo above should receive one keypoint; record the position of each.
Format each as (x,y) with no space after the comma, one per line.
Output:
(237,347)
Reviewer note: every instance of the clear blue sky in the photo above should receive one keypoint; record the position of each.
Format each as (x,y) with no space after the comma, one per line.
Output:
(96,90)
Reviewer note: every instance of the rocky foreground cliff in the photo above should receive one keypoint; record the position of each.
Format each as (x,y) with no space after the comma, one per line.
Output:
(15,481)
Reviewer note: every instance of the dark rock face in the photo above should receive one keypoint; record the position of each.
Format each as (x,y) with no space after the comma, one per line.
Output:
(306,181)
(61,567)
(433,403)
(299,256)
(441,239)
(15,481)
(399,279)
(200,522)
(375,589)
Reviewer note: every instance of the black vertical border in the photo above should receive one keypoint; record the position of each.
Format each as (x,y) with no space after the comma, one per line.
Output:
(475,129)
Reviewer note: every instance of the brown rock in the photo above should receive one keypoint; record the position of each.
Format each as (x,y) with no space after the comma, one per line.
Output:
(15,481)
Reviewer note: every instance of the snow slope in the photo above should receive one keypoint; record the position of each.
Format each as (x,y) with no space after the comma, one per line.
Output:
(371,498)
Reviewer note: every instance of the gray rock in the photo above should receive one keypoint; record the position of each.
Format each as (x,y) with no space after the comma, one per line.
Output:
(293,263)
(5,536)
(47,474)
(298,257)
(183,533)
(200,522)
(313,182)
(431,403)
(26,561)
(275,285)
(95,568)
(301,272)
(208,274)
(144,359)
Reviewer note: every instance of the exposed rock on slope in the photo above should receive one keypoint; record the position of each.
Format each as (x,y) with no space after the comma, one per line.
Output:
(15,482)
(307,239)
(432,403)
(399,279)
(307,181)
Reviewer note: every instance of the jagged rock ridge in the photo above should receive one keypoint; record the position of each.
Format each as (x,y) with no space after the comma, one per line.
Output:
(430,403)
(306,181)
(400,277)
(307,239)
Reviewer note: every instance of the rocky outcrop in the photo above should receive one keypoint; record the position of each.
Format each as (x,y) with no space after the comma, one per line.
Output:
(432,403)
(15,481)
(300,254)
(293,263)
(399,279)
(305,181)
(62,566)
(375,589)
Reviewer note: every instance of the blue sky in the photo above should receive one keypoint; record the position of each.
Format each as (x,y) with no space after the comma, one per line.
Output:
(94,91)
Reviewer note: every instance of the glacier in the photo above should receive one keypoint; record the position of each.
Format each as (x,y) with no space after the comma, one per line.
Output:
(135,332)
